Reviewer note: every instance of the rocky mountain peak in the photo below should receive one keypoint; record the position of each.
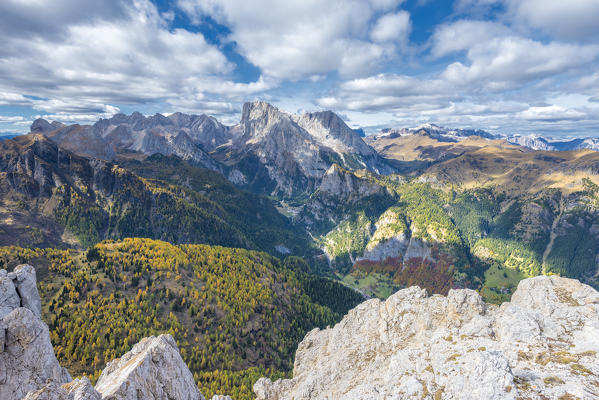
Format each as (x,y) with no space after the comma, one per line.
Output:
(330,130)
(257,110)
(40,125)
(338,183)
(260,119)
(542,344)
(153,369)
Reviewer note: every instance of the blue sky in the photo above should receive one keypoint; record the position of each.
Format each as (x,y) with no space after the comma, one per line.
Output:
(509,66)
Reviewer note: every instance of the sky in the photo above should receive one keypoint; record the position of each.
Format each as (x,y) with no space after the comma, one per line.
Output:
(506,66)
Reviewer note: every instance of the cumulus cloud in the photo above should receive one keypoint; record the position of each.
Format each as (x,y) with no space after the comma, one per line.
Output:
(392,27)
(302,38)
(90,58)
(463,35)
(13,99)
(567,20)
(10,119)
(551,113)
(494,76)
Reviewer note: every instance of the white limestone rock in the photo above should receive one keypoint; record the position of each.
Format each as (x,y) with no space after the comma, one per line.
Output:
(78,389)
(153,369)
(543,344)
(9,299)
(19,289)
(27,359)
(26,286)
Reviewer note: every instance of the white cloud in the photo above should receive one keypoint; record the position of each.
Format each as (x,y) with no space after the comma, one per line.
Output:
(563,19)
(14,99)
(302,38)
(392,27)
(498,59)
(78,118)
(463,35)
(10,119)
(129,56)
(551,113)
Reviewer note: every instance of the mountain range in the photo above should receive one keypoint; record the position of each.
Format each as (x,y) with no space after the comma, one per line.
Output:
(349,203)
(269,151)
(313,217)
(532,141)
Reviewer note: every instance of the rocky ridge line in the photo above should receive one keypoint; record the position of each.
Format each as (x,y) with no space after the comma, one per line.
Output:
(543,344)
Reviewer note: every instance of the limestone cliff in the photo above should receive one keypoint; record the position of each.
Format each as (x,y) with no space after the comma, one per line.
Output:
(542,344)
(27,358)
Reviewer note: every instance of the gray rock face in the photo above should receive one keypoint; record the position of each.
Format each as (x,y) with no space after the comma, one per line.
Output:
(153,369)
(27,358)
(26,286)
(541,345)
(9,299)
(330,131)
(295,150)
(180,134)
(40,125)
(79,389)
(341,185)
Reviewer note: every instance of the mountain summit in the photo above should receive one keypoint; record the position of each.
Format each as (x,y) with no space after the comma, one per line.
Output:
(270,151)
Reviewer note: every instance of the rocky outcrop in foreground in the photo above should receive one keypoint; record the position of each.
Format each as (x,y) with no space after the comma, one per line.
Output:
(543,344)
(152,370)
(27,358)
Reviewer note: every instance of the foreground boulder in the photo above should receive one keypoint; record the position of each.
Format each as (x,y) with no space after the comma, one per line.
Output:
(27,359)
(543,344)
(153,369)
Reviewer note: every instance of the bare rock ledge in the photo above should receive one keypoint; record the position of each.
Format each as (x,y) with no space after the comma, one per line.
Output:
(543,344)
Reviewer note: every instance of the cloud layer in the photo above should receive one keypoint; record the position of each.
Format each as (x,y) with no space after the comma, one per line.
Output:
(510,65)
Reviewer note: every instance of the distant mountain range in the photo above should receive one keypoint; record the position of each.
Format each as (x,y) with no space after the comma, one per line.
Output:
(231,149)
(435,132)
(532,141)
(269,151)
(384,199)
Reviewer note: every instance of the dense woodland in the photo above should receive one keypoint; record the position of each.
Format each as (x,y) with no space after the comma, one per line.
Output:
(236,314)
(479,238)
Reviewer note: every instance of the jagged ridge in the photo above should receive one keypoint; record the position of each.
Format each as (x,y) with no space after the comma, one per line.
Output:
(542,344)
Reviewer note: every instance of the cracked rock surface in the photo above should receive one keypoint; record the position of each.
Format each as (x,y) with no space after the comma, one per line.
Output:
(27,359)
(542,344)
(78,389)
(153,369)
